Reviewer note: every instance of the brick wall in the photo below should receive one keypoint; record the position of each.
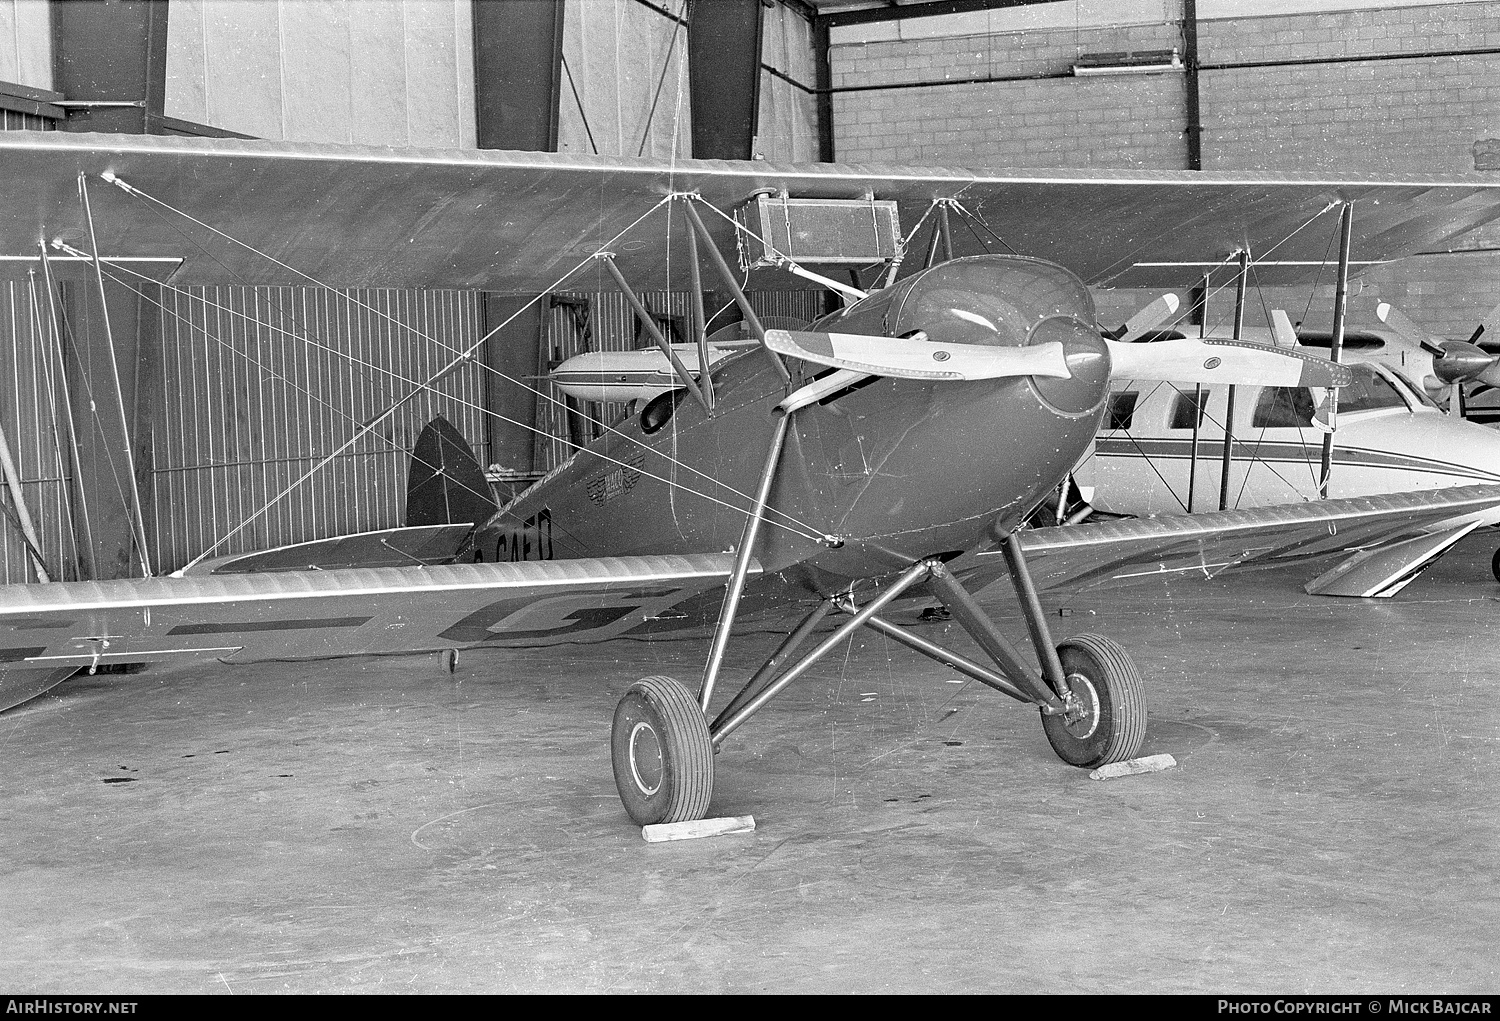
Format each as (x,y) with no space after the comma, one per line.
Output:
(1303,106)
(1021,121)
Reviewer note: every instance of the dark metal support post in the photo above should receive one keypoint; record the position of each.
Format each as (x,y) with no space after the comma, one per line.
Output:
(724,74)
(742,564)
(947,231)
(733,285)
(112,59)
(975,621)
(824,82)
(1036,621)
(911,576)
(699,319)
(1239,326)
(518,52)
(783,652)
(1336,348)
(1192,85)
(644,315)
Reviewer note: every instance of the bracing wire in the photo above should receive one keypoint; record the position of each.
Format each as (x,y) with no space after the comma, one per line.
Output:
(468,353)
(805,531)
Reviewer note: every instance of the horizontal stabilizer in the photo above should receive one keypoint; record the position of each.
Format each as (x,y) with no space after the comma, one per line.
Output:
(1381,573)
(1194,360)
(919,359)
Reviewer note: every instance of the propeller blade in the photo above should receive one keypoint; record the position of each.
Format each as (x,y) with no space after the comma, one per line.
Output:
(1490,318)
(919,359)
(1149,318)
(1281,328)
(1223,361)
(1393,317)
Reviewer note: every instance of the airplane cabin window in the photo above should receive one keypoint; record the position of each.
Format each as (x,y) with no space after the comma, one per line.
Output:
(1182,410)
(1369,391)
(1121,410)
(1283,407)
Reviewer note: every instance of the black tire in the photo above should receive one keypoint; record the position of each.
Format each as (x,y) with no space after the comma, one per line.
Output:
(1495,565)
(662,753)
(1113,699)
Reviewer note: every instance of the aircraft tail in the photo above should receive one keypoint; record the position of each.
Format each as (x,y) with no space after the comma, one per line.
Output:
(446,485)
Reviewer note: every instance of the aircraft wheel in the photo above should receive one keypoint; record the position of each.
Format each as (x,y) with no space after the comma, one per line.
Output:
(662,753)
(1495,565)
(1108,720)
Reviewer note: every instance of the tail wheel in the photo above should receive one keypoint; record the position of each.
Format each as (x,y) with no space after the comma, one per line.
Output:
(1106,718)
(662,753)
(1495,565)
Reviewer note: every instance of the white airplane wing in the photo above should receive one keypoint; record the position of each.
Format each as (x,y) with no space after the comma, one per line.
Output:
(354,216)
(1206,545)
(48,632)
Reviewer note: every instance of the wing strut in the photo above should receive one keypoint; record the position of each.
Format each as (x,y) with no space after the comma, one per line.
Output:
(649,323)
(1239,329)
(740,298)
(1340,307)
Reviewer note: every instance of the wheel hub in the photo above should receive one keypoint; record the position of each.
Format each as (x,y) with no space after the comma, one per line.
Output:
(1081,711)
(645,758)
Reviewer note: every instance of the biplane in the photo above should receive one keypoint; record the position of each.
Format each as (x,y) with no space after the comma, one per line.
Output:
(896,447)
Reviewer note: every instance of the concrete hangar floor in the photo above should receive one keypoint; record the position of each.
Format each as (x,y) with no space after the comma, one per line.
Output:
(376,825)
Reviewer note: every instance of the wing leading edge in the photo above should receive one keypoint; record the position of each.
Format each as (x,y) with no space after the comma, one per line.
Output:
(1205,545)
(49,631)
(509,221)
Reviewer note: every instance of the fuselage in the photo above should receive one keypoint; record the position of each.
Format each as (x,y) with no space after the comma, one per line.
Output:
(1390,438)
(871,478)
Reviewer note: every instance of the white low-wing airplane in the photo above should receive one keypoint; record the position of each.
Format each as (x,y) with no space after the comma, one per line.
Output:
(895,446)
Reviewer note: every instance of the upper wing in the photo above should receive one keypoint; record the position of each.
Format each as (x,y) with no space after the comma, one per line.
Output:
(55,629)
(515,222)
(1204,545)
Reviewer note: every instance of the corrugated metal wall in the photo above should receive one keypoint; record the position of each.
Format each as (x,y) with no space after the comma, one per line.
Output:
(260,385)
(255,386)
(31,413)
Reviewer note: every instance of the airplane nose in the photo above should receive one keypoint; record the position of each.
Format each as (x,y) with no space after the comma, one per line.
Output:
(1088,362)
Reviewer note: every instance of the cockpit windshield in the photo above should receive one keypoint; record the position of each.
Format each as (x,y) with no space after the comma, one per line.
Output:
(1412,391)
(1370,391)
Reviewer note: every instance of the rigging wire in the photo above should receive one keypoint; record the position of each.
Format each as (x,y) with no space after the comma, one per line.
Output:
(808,533)
(468,353)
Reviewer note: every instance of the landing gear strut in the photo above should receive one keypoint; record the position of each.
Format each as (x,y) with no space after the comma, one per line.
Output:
(1091,698)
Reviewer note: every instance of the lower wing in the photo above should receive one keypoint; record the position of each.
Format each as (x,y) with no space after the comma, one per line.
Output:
(49,631)
(1206,545)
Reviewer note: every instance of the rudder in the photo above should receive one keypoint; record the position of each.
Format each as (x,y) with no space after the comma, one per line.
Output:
(446,485)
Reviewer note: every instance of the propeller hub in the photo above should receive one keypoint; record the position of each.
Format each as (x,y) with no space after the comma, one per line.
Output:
(1088,365)
(1461,362)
